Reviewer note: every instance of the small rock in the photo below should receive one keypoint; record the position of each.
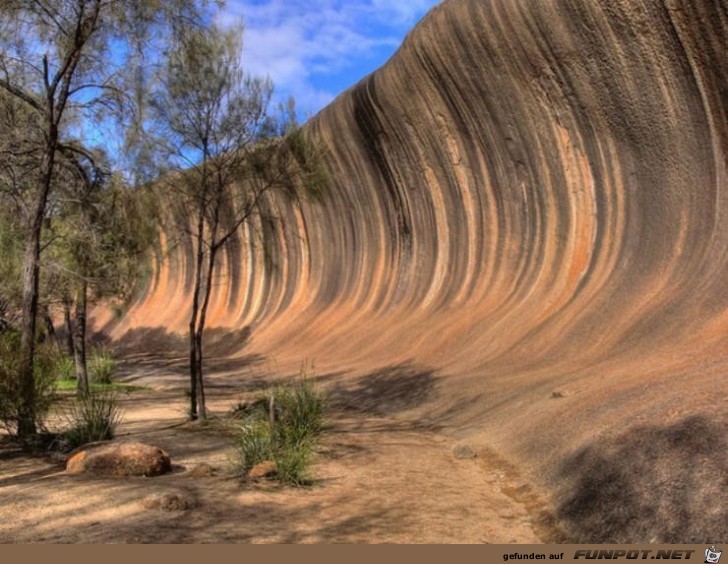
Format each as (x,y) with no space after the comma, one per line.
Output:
(559,394)
(463,452)
(264,469)
(202,470)
(119,460)
(170,501)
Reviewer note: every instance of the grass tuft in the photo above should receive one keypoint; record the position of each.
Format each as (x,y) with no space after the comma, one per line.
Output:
(287,436)
(102,366)
(91,419)
(65,368)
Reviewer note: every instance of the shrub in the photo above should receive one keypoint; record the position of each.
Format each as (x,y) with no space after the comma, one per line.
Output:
(94,418)
(65,368)
(46,355)
(299,413)
(101,366)
(290,441)
(292,462)
(253,445)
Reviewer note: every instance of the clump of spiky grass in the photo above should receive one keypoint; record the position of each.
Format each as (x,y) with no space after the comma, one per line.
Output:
(65,368)
(102,366)
(283,430)
(90,419)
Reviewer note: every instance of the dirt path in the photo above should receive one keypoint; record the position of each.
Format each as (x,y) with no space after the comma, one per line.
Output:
(377,481)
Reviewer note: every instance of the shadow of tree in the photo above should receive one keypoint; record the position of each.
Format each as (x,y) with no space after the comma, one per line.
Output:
(217,341)
(156,348)
(11,454)
(227,511)
(387,391)
(273,522)
(652,484)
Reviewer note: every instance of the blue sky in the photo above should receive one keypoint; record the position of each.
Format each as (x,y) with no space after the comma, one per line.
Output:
(315,49)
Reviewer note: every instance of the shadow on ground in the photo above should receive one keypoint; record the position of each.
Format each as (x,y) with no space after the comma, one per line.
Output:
(156,349)
(652,484)
(387,391)
(276,522)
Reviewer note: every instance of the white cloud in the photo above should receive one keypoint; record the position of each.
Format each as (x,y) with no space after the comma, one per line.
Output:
(313,49)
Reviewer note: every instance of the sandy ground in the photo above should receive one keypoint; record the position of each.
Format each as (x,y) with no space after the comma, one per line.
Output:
(377,480)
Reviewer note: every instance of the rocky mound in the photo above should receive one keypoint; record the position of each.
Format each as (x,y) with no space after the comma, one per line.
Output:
(119,460)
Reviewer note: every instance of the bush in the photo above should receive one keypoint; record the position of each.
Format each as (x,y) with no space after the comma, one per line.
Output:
(253,445)
(46,356)
(290,441)
(91,419)
(65,368)
(292,462)
(299,413)
(101,366)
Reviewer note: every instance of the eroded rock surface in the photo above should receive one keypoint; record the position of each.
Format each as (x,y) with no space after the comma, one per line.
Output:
(529,197)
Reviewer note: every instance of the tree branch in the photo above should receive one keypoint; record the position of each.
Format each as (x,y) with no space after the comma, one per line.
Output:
(20,94)
(52,16)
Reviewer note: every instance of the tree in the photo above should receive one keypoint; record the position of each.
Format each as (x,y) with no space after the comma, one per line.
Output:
(94,236)
(9,270)
(216,119)
(66,60)
(19,141)
(100,236)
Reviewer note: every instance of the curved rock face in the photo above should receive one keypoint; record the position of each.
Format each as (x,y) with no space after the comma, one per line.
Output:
(528,209)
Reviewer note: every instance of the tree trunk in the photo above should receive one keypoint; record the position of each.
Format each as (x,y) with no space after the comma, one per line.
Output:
(194,348)
(195,344)
(49,327)
(203,314)
(195,351)
(26,409)
(70,349)
(201,407)
(79,343)
(193,367)
(31,277)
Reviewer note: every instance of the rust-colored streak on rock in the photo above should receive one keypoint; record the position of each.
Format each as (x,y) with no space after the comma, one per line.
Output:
(528,197)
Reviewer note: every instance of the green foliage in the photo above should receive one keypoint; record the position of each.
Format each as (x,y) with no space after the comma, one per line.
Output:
(65,369)
(299,411)
(206,105)
(290,441)
(309,160)
(292,462)
(101,366)
(11,397)
(101,239)
(72,386)
(94,418)
(55,59)
(11,237)
(253,445)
